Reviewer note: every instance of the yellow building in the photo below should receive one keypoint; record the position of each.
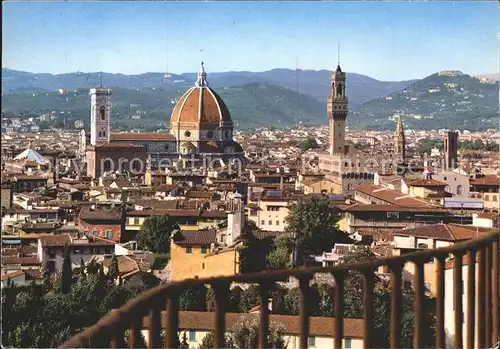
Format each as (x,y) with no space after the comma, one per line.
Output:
(321,186)
(426,188)
(190,256)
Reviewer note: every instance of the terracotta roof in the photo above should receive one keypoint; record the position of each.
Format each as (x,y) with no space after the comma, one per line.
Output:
(391,196)
(488,180)
(126,265)
(114,214)
(440,231)
(389,208)
(55,240)
(488,215)
(200,104)
(139,136)
(195,237)
(20,260)
(11,275)
(179,213)
(427,183)
(318,326)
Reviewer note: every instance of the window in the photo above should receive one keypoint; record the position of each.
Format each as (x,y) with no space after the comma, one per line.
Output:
(210,134)
(192,335)
(189,250)
(494,198)
(187,133)
(95,233)
(202,265)
(486,198)
(107,165)
(311,341)
(136,220)
(270,222)
(203,250)
(102,112)
(347,343)
(445,178)
(277,222)
(109,234)
(262,222)
(460,190)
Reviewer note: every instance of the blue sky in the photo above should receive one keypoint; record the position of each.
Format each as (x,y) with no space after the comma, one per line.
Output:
(384,40)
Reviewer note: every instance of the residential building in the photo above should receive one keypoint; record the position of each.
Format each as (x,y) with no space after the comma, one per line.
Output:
(197,325)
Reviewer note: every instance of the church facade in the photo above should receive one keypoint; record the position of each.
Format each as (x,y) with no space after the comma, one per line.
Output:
(200,135)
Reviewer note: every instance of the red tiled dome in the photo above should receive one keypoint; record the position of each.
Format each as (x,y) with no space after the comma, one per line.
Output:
(200,104)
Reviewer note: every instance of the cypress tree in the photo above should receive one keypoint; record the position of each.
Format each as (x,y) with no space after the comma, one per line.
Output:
(67,272)
(113,268)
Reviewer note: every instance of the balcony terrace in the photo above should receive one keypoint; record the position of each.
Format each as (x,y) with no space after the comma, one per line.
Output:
(475,315)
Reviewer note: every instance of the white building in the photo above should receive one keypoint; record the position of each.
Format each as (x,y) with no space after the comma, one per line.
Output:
(456,184)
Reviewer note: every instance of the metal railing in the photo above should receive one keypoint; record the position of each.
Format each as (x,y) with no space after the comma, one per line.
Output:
(482,256)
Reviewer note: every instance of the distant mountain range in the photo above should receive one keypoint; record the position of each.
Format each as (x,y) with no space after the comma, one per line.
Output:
(251,105)
(360,88)
(438,101)
(263,99)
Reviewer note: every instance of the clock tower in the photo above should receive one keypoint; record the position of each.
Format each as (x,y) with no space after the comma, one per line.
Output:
(100,113)
(337,112)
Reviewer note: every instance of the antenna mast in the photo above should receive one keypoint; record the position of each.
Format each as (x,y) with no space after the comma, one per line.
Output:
(338,53)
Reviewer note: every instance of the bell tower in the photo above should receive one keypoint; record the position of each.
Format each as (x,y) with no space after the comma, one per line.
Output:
(100,113)
(337,112)
(399,140)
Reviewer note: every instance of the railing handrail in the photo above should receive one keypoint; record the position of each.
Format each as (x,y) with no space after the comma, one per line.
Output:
(121,317)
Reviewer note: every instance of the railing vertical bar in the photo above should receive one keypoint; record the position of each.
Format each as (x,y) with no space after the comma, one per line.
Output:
(418,335)
(264,315)
(339,310)
(113,342)
(368,281)
(396,275)
(221,291)
(155,328)
(480,297)
(495,295)
(471,299)
(440,333)
(458,300)
(135,340)
(487,297)
(304,310)
(172,322)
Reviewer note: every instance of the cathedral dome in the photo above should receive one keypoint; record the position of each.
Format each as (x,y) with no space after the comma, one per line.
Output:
(200,105)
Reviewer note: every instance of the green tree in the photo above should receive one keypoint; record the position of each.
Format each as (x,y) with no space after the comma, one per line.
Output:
(280,256)
(426,144)
(353,305)
(67,272)
(249,298)
(113,268)
(245,333)
(193,298)
(308,143)
(210,299)
(155,233)
(313,224)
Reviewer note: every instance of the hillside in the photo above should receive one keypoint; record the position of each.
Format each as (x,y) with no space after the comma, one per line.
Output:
(437,101)
(250,105)
(314,83)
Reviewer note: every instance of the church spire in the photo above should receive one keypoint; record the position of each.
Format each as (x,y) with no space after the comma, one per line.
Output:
(202,77)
